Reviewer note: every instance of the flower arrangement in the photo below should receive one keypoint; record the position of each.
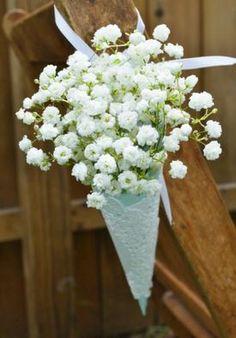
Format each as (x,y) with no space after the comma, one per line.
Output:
(113,120)
(116,118)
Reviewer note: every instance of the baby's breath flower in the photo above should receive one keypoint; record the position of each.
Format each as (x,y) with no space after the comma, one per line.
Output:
(114,119)
(177,169)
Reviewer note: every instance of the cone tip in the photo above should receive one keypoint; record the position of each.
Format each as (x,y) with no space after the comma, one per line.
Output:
(143,305)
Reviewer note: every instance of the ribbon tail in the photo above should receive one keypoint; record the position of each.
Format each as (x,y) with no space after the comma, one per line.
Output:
(207,62)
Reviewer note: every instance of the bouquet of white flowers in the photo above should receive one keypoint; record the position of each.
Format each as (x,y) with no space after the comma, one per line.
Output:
(114,119)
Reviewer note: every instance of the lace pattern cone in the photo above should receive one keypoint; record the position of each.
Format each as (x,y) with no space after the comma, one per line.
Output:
(133,225)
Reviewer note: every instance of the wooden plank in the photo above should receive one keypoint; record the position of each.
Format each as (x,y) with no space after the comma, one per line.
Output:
(47,246)
(186,295)
(218,41)
(13,321)
(11,226)
(121,12)
(8,184)
(179,15)
(88,314)
(228,191)
(185,317)
(84,219)
(207,235)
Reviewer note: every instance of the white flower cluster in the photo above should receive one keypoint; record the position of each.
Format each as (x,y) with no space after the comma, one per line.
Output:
(114,119)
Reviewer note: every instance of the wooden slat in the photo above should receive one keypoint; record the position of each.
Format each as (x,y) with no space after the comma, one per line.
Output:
(47,249)
(208,236)
(185,317)
(13,321)
(121,12)
(88,314)
(179,16)
(8,184)
(11,227)
(187,296)
(84,219)
(228,191)
(217,40)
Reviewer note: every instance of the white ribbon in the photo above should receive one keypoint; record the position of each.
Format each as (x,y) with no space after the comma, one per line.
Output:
(189,63)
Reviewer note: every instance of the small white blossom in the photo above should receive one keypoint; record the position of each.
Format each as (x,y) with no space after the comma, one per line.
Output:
(80,171)
(62,154)
(100,91)
(48,131)
(28,118)
(154,96)
(95,107)
(108,120)
(96,200)
(177,169)
(136,38)
(200,101)
(128,120)
(161,33)
(92,152)
(56,90)
(212,150)
(191,81)
(51,115)
(25,144)
(105,35)
(35,156)
(27,103)
(177,116)
(122,143)
(144,160)
(50,70)
(147,135)
(106,164)
(86,127)
(186,129)
(102,181)
(104,142)
(213,128)
(131,154)
(175,51)
(171,143)
(78,61)
(127,179)
(20,114)
(70,140)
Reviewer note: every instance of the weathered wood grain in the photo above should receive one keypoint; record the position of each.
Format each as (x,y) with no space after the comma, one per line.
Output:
(47,248)
(219,36)
(11,225)
(121,12)
(207,235)
(13,321)
(88,289)
(8,184)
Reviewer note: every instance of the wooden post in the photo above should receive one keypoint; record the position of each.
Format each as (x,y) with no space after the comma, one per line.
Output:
(47,242)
